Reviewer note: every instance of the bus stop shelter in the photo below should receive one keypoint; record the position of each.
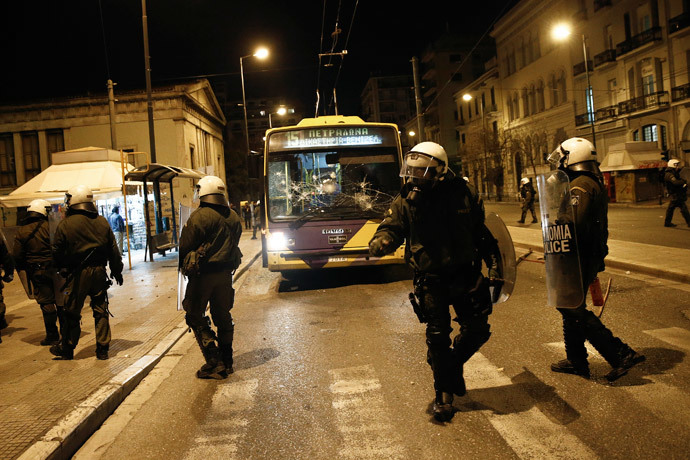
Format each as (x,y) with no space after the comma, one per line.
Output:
(156,173)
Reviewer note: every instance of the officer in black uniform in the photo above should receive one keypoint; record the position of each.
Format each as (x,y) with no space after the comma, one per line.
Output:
(678,191)
(33,253)
(441,219)
(577,157)
(527,193)
(7,265)
(209,256)
(83,245)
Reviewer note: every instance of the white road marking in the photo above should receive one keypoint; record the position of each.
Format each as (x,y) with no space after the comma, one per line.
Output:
(676,336)
(361,415)
(229,406)
(530,433)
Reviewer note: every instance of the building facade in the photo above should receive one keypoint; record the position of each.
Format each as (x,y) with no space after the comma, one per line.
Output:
(188,126)
(389,99)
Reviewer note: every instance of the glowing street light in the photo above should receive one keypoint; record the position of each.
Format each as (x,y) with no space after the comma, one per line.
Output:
(281,111)
(562,32)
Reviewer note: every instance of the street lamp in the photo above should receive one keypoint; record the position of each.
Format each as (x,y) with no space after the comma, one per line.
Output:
(281,111)
(260,53)
(561,32)
(468,97)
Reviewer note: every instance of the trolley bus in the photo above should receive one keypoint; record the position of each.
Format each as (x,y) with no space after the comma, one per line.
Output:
(328,182)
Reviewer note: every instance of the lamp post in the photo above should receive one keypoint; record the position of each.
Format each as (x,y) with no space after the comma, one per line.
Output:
(560,33)
(468,97)
(281,111)
(260,53)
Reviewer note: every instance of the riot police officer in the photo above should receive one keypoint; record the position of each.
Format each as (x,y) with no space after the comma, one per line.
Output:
(7,265)
(678,191)
(527,193)
(577,157)
(209,256)
(33,253)
(83,245)
(441,219)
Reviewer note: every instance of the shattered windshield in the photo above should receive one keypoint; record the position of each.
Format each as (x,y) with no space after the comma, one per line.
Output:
(332,183)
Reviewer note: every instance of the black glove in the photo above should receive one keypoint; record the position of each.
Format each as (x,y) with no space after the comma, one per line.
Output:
(117,277)
(8,277)
(494,269)
(379,246)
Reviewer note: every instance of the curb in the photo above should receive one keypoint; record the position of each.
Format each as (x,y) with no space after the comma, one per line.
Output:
(65,438)
(614,262)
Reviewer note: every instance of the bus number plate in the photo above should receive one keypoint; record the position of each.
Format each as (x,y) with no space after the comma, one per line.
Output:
(337,259)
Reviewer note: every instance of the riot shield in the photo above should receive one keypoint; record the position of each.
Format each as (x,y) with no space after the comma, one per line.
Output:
(9,236)
(501,292)
(563,275)
(184,214)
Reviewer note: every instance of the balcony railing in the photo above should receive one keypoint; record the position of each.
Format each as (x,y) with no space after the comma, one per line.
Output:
(679,22)
(606,56)
(599,4)
(580,67)
(605,113)
(648,101)
(680,92)
(583,119)
(648,36)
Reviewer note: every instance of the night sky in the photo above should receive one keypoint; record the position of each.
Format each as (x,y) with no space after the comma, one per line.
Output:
(57,48)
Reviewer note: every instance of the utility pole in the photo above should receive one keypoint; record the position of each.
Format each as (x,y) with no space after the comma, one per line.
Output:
(149,104)
(418,98)
(113,114)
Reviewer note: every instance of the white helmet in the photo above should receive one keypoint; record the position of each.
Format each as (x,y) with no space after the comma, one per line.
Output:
(427,160)
(80,197)
(576,154)
(524,180)
(211,189)
(39,206)
(674,163)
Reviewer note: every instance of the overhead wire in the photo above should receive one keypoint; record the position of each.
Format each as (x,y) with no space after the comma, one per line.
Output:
(342,59)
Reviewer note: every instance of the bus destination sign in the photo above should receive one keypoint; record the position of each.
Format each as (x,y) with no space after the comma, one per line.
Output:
(342,136)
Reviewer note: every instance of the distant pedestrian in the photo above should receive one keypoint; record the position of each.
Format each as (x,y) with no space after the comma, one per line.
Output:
(83,245)
(7,266)
(117,224)
(577,158)
(247,214)
(32,253)
(527,193)
(678,191)
(256,218)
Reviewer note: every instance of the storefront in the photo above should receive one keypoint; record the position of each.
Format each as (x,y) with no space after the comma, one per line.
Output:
(633,172)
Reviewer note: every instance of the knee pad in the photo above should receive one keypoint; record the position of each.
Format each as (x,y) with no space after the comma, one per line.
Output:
(49,308)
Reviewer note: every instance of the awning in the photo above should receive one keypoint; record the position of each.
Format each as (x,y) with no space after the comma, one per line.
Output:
(97,168)
(156,172)
(632,155)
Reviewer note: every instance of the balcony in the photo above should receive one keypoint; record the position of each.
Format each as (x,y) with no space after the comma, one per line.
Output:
(648,36)
(605,113)
(583,119)
(606,56)
(646,102)
(599,4)
(580,67)
(679,22)
(680,92)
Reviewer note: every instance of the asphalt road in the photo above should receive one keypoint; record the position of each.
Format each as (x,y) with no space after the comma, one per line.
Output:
(333,366)
(641,224)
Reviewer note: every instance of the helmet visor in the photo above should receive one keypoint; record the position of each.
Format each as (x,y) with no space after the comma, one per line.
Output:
(555,156)
(419,166)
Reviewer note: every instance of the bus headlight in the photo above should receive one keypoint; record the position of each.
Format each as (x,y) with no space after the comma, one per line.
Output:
(276,241)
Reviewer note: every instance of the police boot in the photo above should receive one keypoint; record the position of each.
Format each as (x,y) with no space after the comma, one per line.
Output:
(443,406)
(62,352)
(458,381)
(214,367)
(50,318)
(102,351)
(567,367)
(628,360)
(534,218)
(226,356)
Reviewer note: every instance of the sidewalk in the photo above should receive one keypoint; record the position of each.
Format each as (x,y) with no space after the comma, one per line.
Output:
(660,261)
(48,408)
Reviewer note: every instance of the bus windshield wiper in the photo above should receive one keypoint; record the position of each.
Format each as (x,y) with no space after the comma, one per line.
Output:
(307,216)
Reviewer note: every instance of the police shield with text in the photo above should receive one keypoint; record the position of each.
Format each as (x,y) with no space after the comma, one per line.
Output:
(580,208)
(440,218)
(82,247)
(209,256)
(33,253)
